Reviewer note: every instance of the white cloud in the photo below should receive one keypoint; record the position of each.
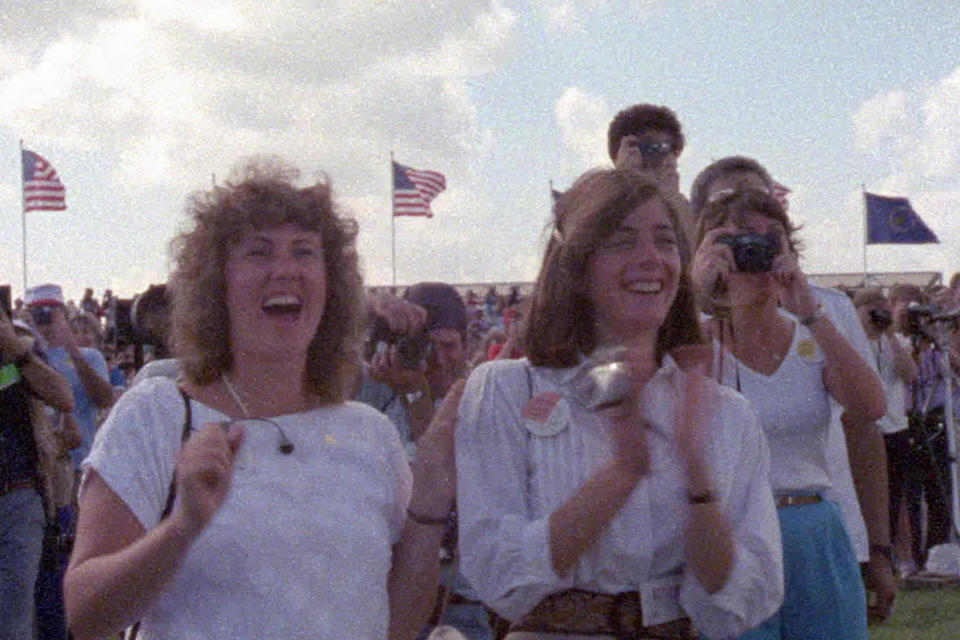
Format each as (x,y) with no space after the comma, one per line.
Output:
(881,118)
(171,92)
(941,144)
(583,120)
(916,129)
(564,16)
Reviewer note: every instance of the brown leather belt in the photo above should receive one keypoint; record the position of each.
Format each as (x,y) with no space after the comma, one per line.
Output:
(792,500)
(578,612)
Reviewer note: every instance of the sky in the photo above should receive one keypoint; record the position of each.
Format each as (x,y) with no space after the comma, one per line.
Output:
(139,103)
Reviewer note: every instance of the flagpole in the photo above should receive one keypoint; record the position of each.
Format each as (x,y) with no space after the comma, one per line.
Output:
(866,229)
(23,220)
(393,225)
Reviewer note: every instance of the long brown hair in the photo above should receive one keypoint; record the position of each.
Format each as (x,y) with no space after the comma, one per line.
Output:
(561,322)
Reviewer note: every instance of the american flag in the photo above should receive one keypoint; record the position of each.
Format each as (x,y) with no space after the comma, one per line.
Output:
(781,192)
(42,189)
(413,190)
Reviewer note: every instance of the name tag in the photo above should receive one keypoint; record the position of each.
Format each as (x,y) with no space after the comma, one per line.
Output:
(660,600)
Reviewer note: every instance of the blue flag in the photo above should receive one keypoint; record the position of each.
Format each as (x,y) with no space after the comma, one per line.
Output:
(893,221)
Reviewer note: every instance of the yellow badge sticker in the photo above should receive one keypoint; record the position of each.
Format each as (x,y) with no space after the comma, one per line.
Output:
(808,351)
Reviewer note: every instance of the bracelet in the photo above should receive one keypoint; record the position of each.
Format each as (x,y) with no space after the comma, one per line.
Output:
(429,521)
(882,550)
(701,498)
(813,317)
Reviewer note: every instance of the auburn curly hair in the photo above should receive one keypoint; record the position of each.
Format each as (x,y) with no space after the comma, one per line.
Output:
(260,194)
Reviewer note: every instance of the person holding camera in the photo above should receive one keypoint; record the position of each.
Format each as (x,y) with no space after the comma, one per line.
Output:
(897,371)
(788,366)
(417,350)
(86,370)
(84,367)
(926,401)
(855,450)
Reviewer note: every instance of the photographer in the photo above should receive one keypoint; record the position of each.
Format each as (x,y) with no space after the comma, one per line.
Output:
(86,371)
(789,367)
(897,371)
(858,471)
(416,350)
(923,324)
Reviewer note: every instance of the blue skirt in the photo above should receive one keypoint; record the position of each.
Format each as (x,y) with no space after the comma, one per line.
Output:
(824,595)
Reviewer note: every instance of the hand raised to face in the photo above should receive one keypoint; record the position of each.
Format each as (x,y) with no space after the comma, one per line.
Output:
(653,154)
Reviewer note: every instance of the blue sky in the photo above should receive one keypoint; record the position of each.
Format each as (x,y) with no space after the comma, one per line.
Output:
(138,102)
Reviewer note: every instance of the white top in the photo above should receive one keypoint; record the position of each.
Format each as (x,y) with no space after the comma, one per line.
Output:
(895,420)
(794,410)
(513,473)
(301,548)
(841,311)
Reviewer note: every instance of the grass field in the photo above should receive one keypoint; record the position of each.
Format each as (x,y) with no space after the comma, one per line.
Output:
(923,614)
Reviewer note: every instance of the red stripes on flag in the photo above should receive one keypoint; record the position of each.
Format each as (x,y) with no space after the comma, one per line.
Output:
(413,190)
(42,189)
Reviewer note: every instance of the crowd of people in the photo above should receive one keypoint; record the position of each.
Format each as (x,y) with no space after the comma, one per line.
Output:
(674,434)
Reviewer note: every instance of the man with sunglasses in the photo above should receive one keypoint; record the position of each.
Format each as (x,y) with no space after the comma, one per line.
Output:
(649,139)
(858,471)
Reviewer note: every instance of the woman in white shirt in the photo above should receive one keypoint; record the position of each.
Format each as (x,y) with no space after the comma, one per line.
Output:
(788,367)
(301,521)
(631,521)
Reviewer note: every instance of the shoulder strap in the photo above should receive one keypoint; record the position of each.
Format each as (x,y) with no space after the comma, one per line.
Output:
(185,433)
(134,630)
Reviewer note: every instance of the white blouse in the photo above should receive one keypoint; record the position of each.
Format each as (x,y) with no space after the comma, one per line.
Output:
(302,546)
(513,472)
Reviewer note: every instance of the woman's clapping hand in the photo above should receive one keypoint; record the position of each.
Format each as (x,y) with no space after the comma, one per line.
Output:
(205,471)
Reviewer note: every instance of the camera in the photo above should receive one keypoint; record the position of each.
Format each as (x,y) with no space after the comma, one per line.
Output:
(925,321)
(652,150)
(881,318)
(412,351)
(42,314)
(752,252)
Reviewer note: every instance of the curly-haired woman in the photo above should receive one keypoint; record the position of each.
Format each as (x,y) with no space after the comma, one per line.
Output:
(296,514)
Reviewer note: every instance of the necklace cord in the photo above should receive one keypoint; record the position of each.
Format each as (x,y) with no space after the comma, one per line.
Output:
(286,445)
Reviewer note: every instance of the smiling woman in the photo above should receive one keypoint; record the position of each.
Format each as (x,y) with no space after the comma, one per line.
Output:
(591,513)
(264,538)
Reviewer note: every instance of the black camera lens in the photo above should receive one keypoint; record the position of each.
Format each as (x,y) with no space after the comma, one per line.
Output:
(881,318)
(651,149)
(413,351)
(752,252)
(42,314)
